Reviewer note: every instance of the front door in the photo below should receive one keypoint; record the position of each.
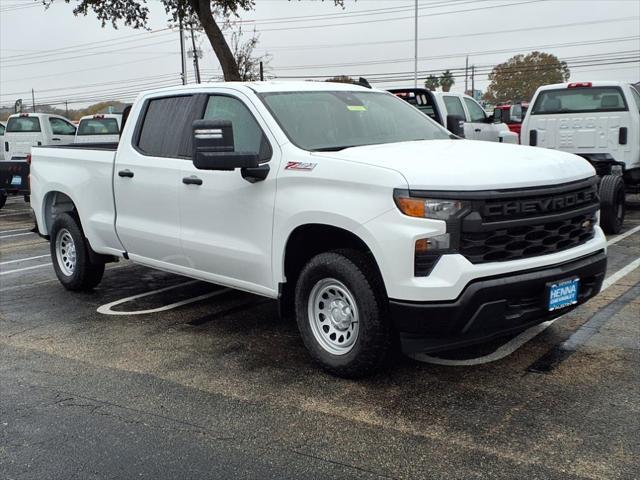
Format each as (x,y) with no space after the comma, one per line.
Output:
(478,122)
(226,220)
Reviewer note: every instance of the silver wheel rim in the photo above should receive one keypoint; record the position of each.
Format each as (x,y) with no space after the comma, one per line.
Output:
(66,252)
(333,316)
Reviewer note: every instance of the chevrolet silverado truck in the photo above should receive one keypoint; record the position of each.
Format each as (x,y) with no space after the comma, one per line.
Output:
(369,222)
(599,121)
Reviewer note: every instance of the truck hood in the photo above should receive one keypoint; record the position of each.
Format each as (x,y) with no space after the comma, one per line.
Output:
(470,165)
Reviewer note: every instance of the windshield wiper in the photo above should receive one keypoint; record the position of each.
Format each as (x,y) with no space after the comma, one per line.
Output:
(334,149)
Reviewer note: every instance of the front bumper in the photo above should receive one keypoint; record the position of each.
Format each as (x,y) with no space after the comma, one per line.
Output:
(491,307)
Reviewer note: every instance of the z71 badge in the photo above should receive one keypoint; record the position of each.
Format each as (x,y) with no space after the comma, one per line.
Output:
(300,166)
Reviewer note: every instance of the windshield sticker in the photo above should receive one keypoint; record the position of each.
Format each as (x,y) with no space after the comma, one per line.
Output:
(357,108)
(305,166)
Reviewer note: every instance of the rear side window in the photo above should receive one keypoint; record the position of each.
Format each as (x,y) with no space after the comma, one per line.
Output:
(636,97)
(454,106)
(98,126)
(579,100)
(476,113)
(60,127)
(23,124)
(166,127)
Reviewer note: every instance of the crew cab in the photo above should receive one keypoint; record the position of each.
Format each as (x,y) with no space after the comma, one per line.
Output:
(102,128)
(23,131)
(460,113)
(599,121)
(368,221)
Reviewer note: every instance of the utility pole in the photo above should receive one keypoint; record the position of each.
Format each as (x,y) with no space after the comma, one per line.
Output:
(183,61)
(66,108)
(473,80)
(33,101)
(195,56)
(466,75)
(261,72)
(415,48)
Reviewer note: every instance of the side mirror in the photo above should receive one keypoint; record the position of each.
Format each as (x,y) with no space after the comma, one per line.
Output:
(455,124)
(497,115)
(213,147)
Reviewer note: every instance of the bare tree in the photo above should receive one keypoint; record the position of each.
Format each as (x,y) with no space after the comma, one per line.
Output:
(246,59)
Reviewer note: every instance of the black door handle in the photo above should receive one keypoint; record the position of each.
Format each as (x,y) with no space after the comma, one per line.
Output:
(56,139)
(125,173)
(192,180)
(478,130)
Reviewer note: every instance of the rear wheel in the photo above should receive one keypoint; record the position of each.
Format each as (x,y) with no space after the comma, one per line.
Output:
(70,254)
(342,314)
(3,199)
(612,203)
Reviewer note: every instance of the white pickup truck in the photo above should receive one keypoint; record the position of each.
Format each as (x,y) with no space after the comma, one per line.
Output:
(368,220)
(101,128)
(599,121)
(460,113)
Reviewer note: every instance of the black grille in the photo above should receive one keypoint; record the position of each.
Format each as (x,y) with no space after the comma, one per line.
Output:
(510,225)
(527,240)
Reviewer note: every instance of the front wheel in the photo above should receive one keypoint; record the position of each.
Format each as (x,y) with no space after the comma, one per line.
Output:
(3,199)
(70,254)
(341,311)
(612,203)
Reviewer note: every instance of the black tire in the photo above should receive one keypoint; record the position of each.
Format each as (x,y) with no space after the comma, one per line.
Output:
(27,199)
(3,199)
(85,274)
(374,338)
(612,203)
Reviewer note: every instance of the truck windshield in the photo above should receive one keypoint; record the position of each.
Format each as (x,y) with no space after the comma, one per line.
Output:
(579,100)
(98,126)
(23,124)
(334,120)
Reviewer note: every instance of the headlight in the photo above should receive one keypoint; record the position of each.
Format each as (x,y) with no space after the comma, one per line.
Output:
(438,209)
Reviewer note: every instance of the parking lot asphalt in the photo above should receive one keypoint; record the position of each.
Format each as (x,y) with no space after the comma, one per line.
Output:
(189,380)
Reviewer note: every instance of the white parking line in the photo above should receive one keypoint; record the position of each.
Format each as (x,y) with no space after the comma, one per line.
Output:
(15,230)
(24,259)
(106,309)
(516,342)
(17,213)
(16,235)
(624,235)
(25,269)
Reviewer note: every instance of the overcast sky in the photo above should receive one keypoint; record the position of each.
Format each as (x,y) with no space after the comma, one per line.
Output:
(63,57)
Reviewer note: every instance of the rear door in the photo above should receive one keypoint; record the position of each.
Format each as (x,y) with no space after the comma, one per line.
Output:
(62,131)
(582,119)
(148,180)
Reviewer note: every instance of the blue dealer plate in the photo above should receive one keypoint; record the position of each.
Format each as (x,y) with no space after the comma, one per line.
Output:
(563,293)
(16,181)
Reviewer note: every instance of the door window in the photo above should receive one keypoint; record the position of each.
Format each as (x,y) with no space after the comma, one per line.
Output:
(60,127)
(454,106)
(1,129)
(166,127)
(247,134)
(636,97)
(476,113)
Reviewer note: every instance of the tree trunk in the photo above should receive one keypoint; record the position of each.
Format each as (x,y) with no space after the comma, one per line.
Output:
(217,40)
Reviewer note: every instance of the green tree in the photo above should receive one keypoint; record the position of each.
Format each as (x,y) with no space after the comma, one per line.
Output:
(432,83)
(341,79)
(446,80)
(135,13)
(519,77)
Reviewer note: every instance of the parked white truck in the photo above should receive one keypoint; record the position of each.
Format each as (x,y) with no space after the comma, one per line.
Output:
(354,210)
(599,121)
(101,128)
(460,113)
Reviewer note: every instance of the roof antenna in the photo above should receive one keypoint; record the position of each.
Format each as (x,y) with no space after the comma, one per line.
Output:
(363,82)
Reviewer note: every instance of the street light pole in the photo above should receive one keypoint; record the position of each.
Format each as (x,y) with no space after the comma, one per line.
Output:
(415,48)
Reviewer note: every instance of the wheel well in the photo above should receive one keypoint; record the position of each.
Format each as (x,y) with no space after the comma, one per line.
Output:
(305,242)
(56,203)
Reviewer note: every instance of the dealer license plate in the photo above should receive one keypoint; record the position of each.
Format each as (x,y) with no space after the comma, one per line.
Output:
(16,180)
(563,293)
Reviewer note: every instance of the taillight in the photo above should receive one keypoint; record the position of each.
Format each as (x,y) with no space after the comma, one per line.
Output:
(579,84)
(28,159)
